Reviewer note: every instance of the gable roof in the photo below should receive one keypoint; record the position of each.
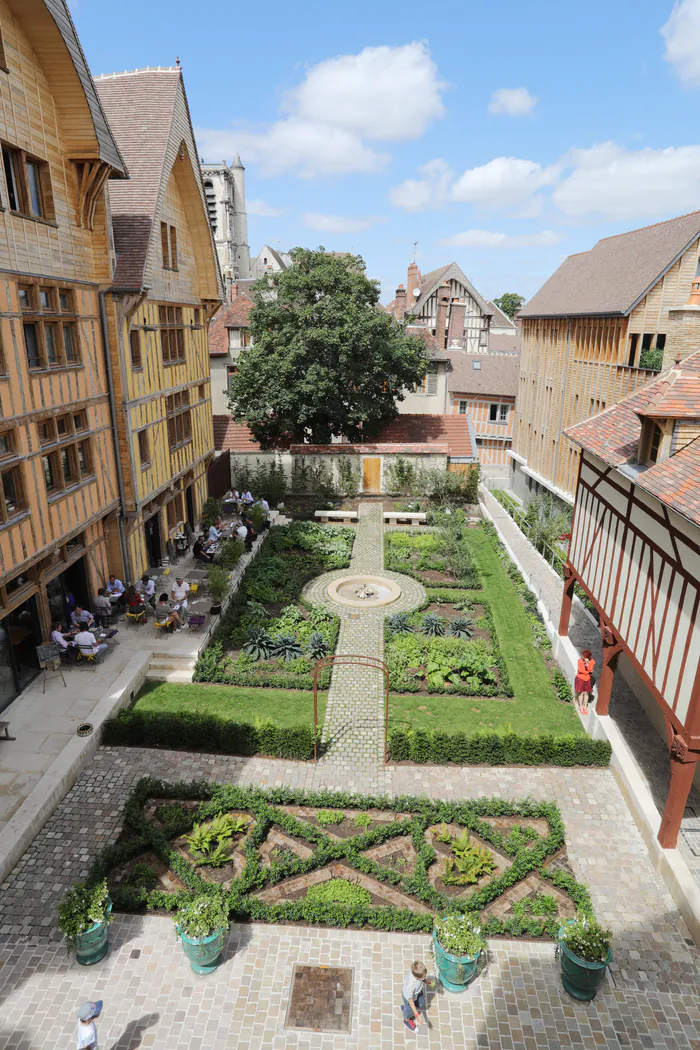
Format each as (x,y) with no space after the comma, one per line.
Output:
(451,431)
(141,108)
(435,278)
(233,437)
(616,273)
(613,436)
(32,15)
(499,319)
(233,315)
(505,343)
(498,375)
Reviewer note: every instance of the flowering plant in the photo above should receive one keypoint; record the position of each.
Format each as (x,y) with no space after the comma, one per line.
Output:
(460,935)
(202,916)
(584,937)
(82,908)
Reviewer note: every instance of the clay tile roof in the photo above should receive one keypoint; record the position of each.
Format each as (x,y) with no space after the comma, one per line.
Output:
(498,375)
(510,343)
(613,436)
(499,319)
(616,273)
(233,315)
(233,437)
(452,431)
(139,107)
(421,332)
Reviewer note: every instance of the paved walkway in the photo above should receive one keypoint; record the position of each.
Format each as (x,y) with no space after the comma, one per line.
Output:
(647,747)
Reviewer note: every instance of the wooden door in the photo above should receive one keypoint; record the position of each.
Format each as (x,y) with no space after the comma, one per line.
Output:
(371,474)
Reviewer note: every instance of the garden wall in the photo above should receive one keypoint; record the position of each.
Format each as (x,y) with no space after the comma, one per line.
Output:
(341,463)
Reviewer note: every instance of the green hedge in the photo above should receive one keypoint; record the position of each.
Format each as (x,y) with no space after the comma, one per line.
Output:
(197,732)
(413,817)
(496,749)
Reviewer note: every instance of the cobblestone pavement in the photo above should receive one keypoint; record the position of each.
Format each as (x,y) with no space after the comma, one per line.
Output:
(649,750)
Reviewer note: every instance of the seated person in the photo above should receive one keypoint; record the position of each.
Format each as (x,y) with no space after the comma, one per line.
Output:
(147,589)
(115,589)
(102,606)
(179,593)
(215,530)
(199,552)
(58,638)
(164,614)
(134,602)
(81,618)
(87,643)
(242,531)
(247,496)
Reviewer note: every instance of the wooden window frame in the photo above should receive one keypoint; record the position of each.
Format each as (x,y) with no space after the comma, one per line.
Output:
(173,248)
(462,411)
(144,443)
(7,435)
(6,517)
(165,245)
(172,334)
(62,323)
(17,164)
(135,349)
(75,444)
(498,406)
(179,418)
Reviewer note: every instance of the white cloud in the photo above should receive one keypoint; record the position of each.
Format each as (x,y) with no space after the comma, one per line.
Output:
(382,94)
(514,102)
(495,239)
(617,183)
(337,223)
(682,34)
(506,183)
(258,207)
(430,191)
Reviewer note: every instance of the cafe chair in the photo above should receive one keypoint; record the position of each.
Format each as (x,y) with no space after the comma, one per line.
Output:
(164,625)
(135,616)
(49,656)
(196,621)
(86,656)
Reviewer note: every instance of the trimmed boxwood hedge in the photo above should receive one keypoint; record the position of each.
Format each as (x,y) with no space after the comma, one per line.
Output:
(417,814)
(496,749)
(197,732)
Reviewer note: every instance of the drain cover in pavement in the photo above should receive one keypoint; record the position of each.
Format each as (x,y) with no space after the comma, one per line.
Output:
(320,999)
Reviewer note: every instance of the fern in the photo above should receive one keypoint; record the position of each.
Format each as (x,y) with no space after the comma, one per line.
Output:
(471,861)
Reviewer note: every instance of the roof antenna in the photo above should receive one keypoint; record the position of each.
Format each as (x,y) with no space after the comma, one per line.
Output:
(177,61)
(415,250)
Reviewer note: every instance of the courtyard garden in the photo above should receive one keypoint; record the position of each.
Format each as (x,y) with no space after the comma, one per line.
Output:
(337,859)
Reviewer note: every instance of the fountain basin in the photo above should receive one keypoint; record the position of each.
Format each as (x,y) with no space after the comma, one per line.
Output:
(363,591)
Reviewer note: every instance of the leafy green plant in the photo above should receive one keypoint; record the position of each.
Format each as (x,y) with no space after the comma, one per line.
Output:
(230,553)
(82,907)
(219,583)
(443,834)
(461,627)
(539,904)
(520,838)
(202,916)
(316,646)
(285,647)
(141,875)
(433,626)
(471,861)
(258,643)
(338,891)
(362,820)
(584,937)
(399,623)
(328,817)
(460,935)
(210,843)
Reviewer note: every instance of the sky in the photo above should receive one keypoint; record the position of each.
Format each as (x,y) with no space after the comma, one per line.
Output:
(500,136)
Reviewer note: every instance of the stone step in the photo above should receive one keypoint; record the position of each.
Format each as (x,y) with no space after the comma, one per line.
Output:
(172,663)
(162,674)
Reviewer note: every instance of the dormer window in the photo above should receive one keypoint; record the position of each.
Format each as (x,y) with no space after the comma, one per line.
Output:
(655,443)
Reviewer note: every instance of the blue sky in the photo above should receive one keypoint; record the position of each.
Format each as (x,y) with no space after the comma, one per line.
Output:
(503,136)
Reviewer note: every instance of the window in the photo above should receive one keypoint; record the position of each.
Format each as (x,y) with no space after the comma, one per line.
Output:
(68,465)
(483,337)
(172,334)
(430,383)
(135,347)
(202,391)
(179,419)
(660,341)
(173,248)
(47,432)
(634,339)
(646,341)
(655,443)
(50,472)
(80,421)
(12,501)
(144,448)
(498,413)
(230,373)
(164,243)
(174,511)
(50,338)
(463,405)
(476,364)
(197,315)
(7,445)
(84,463)
(27,182)
(71,461)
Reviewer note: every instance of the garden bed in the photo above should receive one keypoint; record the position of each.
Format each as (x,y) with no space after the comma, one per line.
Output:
(438,558)
(280,864)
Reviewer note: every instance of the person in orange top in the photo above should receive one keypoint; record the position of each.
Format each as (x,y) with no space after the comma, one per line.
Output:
(583,684)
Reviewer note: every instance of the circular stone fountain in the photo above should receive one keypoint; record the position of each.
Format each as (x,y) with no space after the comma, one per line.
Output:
(363,591)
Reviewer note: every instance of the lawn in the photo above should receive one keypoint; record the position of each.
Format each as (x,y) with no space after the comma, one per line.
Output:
(471,714)
(287,707)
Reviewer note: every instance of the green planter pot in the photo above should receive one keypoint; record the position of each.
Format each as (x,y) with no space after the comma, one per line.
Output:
(204,955)
(93,945)
(581,979)
(456,971)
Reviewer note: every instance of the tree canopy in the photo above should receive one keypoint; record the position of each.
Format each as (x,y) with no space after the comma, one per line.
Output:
(326,360)
(509,302)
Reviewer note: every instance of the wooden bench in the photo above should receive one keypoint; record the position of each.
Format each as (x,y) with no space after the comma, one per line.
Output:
(412,517)
(336,515)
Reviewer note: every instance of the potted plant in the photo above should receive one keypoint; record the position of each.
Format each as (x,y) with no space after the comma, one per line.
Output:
(218,587)
(457,946)
(201,926)
(84,915)
(585,954)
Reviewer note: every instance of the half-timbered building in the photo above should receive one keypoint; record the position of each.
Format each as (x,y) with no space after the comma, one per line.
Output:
(59,498)
(603,325)
(484,387)
(166,286)
(635,551)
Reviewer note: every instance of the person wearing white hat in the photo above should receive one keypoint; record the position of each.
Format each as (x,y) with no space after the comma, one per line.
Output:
(87,1029)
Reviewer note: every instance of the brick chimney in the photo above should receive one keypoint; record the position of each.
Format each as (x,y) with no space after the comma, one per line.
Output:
(400,303)
(683,335)
(412,283)
(443,302)
(455,330)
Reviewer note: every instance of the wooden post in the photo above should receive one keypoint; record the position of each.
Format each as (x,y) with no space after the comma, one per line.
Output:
(569,584)
(611,651)
(681,782)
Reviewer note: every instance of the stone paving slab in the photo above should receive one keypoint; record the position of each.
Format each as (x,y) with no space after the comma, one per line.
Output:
(153,1000)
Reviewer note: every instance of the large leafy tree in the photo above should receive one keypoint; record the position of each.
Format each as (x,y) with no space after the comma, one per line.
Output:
(509,302)
(326,360)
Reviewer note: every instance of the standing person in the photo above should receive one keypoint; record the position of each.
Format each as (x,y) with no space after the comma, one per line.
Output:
(413,994)
(87,1029)
(583,683)
(242,531)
